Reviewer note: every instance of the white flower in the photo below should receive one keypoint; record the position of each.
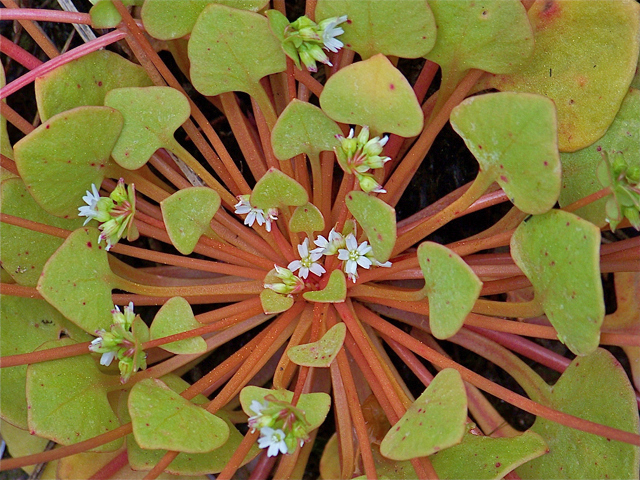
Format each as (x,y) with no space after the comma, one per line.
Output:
(90,210)
(274,440)
(330,31)
(329,246)
(307,261)
(255,214)
(354,255)
(107,357)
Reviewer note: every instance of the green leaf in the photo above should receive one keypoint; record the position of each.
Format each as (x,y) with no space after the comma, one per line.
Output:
(187,215)
(67,399)
(402,28)
(185,463)
(86,81)
(61,158)
(273,302)
(151,116)
(485,458)
(303,128)
(104,14)
(26,323)
(559,253)
(334,292)
(231,50)
(322,352)
(77,281)
(493,35)
(378,221)
(595,388)
(176,316)
(451,286)
(306,218)
(24,252)
(21,443)
(276,189)
(373,93)
(579,177)
(513,137)
(435,421)
(584,66)
(314,405)
(164,20)
(162,419)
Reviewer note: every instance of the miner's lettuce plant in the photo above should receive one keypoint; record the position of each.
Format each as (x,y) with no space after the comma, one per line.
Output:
(290,256)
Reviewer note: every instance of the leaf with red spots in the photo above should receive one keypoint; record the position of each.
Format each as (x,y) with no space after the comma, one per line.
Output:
(273,302)
(451,286)
(513,137)
(595,388)
(77,281)
(24,252)
(378,221)
(373,93)
(60,159)
(67,399)
(151,116)
(584,59)
(322,352)
(306,218)
(560,254)
(402,28)
(435,421)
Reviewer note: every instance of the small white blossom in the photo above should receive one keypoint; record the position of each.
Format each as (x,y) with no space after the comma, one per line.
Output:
(331,31)
(354,255)
(90,210)
(255,214)
(107,358)
(307,261)
(273,440)
(329,246)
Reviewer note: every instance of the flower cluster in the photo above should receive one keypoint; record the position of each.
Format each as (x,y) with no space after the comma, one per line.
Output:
(307,262)
(282,426)
(244,207)
(290,283)
(115,212)
(358,155)
(308,39)
(624,180)
(124,341)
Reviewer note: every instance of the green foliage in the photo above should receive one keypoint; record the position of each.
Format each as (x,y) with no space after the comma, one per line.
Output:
(176,316)
(322,352)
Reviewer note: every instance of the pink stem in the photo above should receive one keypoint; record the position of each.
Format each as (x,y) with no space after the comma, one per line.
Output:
(17,53)
(74,54)
(37,15)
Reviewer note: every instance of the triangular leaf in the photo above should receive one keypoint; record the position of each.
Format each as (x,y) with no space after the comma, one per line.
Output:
(322,352)
(306,218)
(273,302)
(334,292)
(378,221)
(176,316)
(277,189)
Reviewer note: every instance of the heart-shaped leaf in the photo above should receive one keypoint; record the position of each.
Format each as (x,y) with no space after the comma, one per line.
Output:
(322,352)
(151,116)
(86,81)
(306,218)
(162,22)
(273,302)
(513,137)
(77,281)
(231,50)
(24,252)
(176,316)
(486,458)
(314,405)
(493,35)
(162,419)
(303,128)
(402,28)
(61,158)
(26,323)
(584,66)
(435,421)
(373,93)
(579,177)
(67,399)
(559,253)
(610,401)
(378,221)
(334,292)
(276,189)
(451,286)
(187,214)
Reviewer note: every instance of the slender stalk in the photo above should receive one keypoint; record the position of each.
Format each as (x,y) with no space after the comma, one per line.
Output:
(39,15)
(308,81)
(34,30)
(266,109)
(17,53)
(253,287)
(241,452)
(15,119)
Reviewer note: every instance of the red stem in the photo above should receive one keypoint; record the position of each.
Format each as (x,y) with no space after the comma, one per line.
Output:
(38,15)
(17,53)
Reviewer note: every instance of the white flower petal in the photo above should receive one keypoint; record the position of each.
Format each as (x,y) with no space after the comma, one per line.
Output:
(317,269)
(364,262)
(295,265)
(107,358)
(352,243)
(343,254)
